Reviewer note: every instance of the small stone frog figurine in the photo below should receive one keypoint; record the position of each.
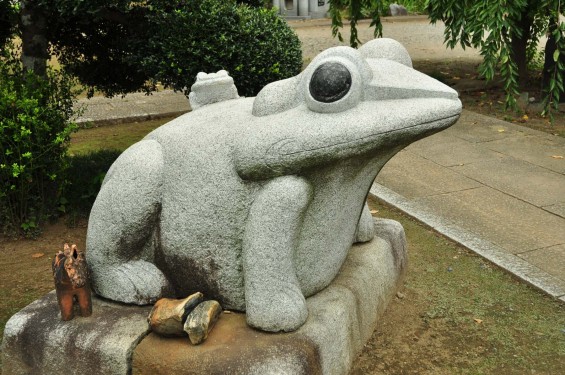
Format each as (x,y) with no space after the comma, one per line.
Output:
(71,281)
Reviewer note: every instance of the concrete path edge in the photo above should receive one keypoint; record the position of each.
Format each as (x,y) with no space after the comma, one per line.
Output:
(486,249)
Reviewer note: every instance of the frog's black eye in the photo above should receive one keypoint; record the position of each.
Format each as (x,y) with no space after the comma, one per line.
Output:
(330,82)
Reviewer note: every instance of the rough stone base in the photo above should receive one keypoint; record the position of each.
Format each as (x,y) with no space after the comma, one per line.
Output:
(341,319)
(37,342)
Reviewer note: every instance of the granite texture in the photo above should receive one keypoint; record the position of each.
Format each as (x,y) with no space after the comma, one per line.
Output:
(388,49)
(211,88)
(342,318)
(256,202)
(37,341)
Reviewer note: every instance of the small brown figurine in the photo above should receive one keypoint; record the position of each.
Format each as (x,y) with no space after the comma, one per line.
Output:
(71,281)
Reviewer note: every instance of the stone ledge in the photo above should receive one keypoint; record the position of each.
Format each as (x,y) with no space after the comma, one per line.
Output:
(36,340)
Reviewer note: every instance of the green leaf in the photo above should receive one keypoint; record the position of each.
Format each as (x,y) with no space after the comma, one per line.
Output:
(556,55)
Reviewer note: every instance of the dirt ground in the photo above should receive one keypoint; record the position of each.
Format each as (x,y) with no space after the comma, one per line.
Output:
(409,340)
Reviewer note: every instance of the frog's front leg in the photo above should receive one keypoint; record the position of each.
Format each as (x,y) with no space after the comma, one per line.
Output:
(273,298)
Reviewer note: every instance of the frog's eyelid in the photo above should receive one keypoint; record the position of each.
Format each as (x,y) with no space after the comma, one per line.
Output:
(283,95)
(277,97)
(386,48)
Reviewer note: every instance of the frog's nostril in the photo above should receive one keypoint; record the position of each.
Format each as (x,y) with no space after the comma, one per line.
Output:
(330,82)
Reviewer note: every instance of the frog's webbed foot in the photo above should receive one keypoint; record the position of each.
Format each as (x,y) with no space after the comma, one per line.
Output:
(137,282)
(273,298)
(275,305)
(366,226)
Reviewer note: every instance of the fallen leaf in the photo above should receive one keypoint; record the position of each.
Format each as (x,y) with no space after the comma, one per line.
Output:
(478,321)
(525,117)
(557,156)
(499,102)
(37,255)
(373,212)
(456,78)
(501,130)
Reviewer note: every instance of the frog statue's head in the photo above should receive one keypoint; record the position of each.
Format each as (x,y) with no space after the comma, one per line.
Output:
(347,103)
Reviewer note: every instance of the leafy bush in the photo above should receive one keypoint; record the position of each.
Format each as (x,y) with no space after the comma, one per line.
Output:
(253,44)
(34,136)
(84,178)
(254,3)
(415,6)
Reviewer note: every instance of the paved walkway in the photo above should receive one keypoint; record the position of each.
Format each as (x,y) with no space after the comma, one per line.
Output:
(495,187)
(132,107)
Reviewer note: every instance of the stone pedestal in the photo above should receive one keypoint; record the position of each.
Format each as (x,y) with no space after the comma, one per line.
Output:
(37,342)
(113,340)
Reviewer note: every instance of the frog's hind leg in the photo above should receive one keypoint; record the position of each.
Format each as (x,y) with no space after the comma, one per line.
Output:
(366,226)
(122,223)
(273,298)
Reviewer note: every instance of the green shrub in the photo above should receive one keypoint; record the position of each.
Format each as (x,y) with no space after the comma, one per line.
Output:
(253,44)
(415,6)
(83,180)
(254,3)
(34,136)
(367,8)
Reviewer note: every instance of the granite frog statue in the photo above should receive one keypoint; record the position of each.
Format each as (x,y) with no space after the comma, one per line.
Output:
(256,201)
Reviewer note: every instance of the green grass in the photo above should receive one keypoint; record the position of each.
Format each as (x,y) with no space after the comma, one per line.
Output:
(112,137)
(518,328)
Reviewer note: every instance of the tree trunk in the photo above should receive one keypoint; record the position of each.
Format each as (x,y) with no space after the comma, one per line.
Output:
(549,63)
(519,44)
(33,23)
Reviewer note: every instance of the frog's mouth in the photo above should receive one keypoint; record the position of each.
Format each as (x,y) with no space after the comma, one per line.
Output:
(374,128)
(299,138)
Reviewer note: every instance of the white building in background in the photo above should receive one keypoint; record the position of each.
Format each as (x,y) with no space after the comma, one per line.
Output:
(302,8)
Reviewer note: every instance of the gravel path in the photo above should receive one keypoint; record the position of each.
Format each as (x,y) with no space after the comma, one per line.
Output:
(422,40)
